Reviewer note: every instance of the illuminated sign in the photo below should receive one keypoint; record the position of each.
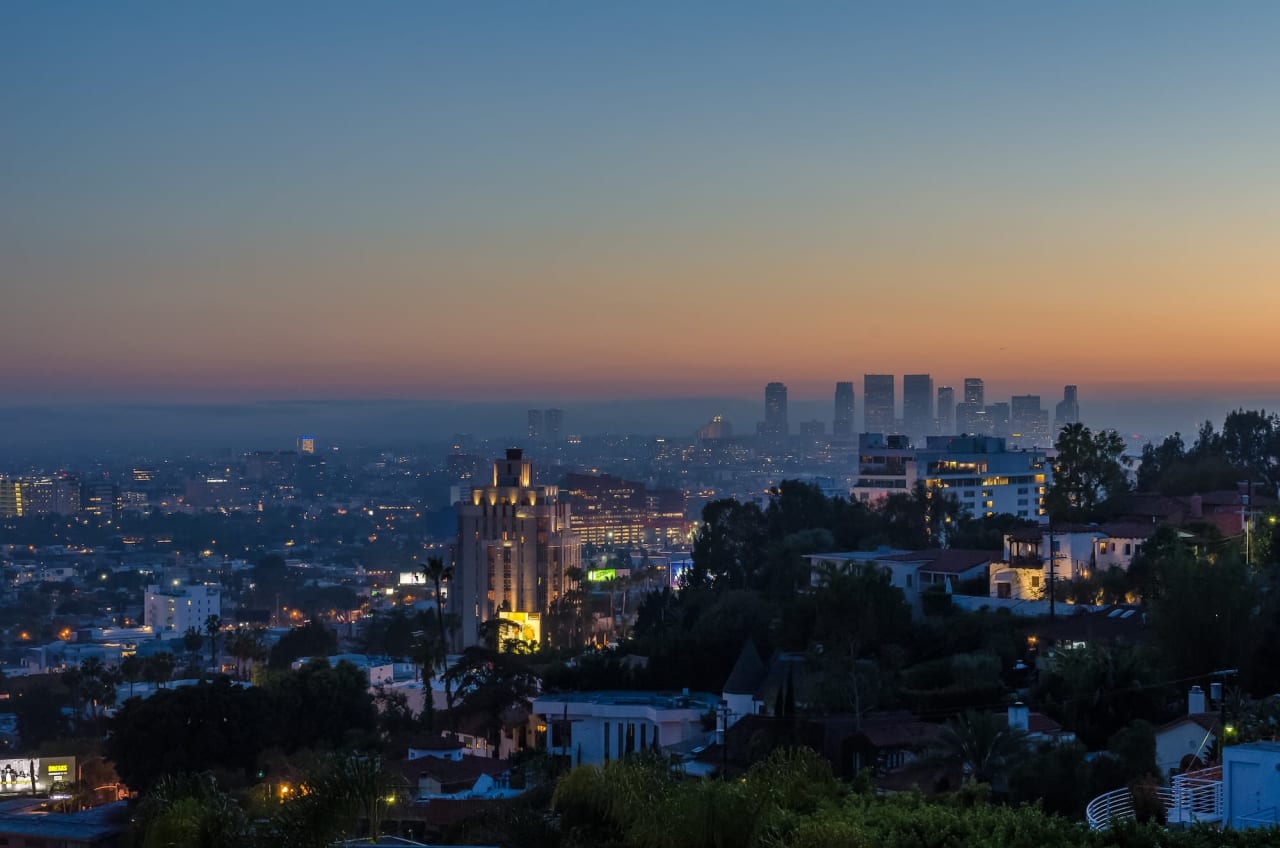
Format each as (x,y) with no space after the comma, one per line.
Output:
(598,575)
(34,775)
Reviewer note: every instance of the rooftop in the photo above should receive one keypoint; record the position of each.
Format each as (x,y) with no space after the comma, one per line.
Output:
(621,698)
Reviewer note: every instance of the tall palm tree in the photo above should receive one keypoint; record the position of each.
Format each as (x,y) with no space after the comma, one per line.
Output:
(212,625)
(435,572)
(131,668)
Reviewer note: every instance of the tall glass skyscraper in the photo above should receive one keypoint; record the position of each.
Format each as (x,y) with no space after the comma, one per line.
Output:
(878,404)
(842,424)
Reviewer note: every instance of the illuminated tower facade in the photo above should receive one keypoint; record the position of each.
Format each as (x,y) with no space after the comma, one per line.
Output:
(514,546)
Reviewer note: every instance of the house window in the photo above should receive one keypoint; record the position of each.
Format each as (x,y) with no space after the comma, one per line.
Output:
(908,581)
(606,741)
(1003,590)
(1035,581)
(1128,548)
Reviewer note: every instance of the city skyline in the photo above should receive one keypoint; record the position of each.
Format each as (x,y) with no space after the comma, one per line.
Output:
(240,203)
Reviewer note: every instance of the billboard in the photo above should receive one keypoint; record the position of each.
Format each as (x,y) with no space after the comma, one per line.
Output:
(32,775)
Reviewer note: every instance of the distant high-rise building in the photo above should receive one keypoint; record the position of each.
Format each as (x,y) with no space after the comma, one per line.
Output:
(997,419)
(535,425)
(842,424)
(878,404)
(716,428)
(12,504)
(100,498)
(553,419)
(1068,409)
(971,420)
(946,410)
(813,429)
(1028,422)
(974,392)
(917,405)
(514,546)
(775,411)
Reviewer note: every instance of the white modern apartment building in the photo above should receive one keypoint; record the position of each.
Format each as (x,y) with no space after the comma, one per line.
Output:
(596,727)
(171,610)
(979,472)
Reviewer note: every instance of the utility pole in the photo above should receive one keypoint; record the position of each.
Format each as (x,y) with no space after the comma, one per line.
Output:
(1221,695)
(1053,573)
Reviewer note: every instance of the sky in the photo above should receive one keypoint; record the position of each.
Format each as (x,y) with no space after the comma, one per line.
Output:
(577,202)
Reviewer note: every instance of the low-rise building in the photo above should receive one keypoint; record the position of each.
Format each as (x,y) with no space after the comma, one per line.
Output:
(596,727)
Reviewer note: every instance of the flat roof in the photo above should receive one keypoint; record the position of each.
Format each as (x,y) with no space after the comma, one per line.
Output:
(622,697)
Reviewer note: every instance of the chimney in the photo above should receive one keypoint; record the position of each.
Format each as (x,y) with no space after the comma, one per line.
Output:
(1197,506)
(1019,717)
(1195,701)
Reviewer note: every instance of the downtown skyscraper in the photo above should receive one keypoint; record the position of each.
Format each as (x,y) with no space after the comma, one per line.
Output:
(946,410)
(775,428)
(878,404)
(917,405)
(842,424)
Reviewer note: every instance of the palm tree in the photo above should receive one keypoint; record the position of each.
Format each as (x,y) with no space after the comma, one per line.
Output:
(435,572)
(245,645)
(192,641)
(212,625)
(131,668)
(985,748)
(159,668)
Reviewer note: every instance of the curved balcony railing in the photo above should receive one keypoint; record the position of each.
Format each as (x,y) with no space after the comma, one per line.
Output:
(1194,797)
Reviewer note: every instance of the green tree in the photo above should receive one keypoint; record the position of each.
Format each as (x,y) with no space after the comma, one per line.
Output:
(985,748)
(191,811)
(312,639)
(1089,469)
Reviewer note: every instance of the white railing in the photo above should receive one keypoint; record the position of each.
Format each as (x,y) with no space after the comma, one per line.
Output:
(1193,797)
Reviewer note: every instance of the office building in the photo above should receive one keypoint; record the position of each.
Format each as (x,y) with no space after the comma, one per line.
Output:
(997,419)
(814,429)
(842,423)
(917,405)
(775,426)
(1068,409)
(946,410)
(553,420)
(1028,422)
(878,404)
(608,511)
(974,391)
(535,425)
(514,546)
(306,445)
(100,498)
(715,429)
